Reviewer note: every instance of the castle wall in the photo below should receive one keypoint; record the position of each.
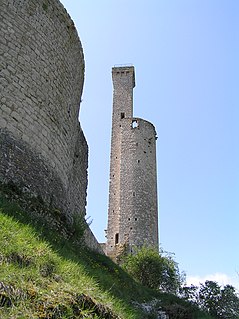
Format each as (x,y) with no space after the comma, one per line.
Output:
(42,74)
(42,147)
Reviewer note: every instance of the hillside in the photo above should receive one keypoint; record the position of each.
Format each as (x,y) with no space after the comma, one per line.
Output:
(43,275)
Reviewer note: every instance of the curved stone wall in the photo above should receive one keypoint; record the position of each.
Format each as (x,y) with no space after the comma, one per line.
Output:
(138,206)
(43,149)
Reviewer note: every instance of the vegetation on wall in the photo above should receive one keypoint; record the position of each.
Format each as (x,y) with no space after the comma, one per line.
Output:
(45,6)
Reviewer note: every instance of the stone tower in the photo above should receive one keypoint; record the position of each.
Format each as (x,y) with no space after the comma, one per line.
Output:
(133,209)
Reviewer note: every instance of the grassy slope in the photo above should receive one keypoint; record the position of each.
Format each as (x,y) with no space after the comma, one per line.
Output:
(42,276)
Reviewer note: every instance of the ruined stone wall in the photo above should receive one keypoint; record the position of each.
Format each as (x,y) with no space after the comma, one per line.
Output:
(133,211)
(41,81)
(43,150)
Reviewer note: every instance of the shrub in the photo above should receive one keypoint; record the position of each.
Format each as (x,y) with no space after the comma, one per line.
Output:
(153,269)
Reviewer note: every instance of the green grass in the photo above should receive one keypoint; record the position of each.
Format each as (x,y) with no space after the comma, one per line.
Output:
(45,276)
(39,280)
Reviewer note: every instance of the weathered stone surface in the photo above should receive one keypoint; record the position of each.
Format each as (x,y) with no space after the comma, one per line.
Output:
(133,211)
(43,148)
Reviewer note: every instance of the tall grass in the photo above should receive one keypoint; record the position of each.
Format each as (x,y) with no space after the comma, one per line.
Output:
(44,278)
(43,275)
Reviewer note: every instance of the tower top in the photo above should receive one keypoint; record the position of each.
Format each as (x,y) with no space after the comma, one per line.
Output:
(124,70)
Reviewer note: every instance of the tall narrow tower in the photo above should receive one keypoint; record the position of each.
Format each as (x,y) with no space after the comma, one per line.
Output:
(133,209)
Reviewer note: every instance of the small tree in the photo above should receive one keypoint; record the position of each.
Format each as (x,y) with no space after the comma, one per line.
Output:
(209,297)
(189,293)
(229,303)
(219,302)
(154,270)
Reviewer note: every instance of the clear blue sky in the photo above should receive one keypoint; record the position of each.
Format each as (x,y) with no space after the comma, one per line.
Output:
(186,56)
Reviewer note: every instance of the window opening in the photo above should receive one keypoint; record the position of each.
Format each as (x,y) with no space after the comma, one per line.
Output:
(122,116)
(134,124)
(116,238)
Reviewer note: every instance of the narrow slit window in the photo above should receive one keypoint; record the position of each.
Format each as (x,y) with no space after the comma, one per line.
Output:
(69,111)
(122,116)
(116,238)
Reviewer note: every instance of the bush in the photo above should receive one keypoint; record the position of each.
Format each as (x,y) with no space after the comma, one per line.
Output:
(154,270)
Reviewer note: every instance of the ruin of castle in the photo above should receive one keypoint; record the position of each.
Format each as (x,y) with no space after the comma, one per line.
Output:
(133,209)
(43,150)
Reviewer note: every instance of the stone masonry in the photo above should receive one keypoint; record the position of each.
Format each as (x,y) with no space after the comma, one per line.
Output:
(42,147)
(133,211)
